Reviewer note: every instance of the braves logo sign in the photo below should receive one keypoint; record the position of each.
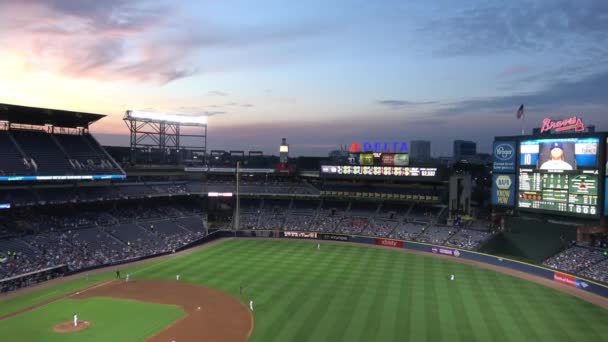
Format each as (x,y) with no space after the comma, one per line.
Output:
(574,123)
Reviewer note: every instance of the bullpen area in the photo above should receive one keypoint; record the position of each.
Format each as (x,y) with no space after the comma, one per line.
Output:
(300,292)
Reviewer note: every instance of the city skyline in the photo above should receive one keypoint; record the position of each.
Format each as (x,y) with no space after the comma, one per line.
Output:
(321,75)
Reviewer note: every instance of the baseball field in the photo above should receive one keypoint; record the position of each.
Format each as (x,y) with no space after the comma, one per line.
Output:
(339,292)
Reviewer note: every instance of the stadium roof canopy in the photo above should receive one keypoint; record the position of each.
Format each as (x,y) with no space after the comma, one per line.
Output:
(44,116)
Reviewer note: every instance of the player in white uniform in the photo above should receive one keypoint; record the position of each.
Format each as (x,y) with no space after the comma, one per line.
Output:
(556,159)
(452,277)
(177,277)
(318,246)
(251,305)
(127,279)
(75,320)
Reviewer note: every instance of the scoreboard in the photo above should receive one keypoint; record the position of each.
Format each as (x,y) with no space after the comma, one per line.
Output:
(376,171)
(559,175)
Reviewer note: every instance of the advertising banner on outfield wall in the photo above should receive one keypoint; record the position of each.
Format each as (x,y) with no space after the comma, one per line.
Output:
(301,235)
(503,190)
(334,237)
(389,243)
(504,156)
(445,251)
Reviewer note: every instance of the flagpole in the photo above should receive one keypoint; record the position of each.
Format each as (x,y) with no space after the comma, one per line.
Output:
(523,124)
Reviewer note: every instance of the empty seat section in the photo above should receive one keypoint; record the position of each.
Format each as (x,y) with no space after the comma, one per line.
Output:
(44,151)
(11,161)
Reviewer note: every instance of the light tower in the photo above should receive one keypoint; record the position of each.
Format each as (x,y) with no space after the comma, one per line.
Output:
(284,157)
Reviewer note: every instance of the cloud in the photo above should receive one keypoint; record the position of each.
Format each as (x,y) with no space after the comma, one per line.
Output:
(587,93)
(397,104)
(514,70)
(481,28)
(217,93)
(138,41)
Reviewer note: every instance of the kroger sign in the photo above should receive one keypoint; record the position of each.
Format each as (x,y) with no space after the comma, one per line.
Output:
(504,152)
(504,156)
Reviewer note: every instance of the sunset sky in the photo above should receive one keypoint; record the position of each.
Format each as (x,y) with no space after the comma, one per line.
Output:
(320,73)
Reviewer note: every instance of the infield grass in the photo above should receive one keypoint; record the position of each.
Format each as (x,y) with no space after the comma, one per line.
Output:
(111,320)
(352,293)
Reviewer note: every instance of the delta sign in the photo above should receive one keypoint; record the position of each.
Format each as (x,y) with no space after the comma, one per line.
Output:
(379,147)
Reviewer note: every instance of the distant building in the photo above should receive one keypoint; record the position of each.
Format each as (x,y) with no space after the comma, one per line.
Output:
(464,149)
(420,150)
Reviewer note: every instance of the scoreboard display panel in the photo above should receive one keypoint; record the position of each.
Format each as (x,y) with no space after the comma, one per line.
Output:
(559,175)
(380,171)
(379,159)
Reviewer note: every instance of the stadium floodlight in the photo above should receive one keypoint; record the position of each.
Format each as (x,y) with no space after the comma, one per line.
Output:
(175,118)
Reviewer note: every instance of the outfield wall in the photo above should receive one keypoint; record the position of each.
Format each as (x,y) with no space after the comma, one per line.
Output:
(560,277)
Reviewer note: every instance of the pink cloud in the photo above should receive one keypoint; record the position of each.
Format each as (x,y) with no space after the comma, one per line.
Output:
(513,70)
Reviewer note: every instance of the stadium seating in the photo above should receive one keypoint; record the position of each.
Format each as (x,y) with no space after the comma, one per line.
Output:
(12,161)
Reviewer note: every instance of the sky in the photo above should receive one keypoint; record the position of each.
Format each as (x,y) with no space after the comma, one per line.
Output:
(319,73)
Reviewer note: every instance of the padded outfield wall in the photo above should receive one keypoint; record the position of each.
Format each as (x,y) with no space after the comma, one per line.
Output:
(560,277)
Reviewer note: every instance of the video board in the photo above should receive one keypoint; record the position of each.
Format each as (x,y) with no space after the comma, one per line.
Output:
(379,159)
(379,171)
(559,175)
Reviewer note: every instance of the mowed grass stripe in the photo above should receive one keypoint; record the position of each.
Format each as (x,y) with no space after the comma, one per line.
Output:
(338,303)
(417,325)
(450,330)
(380,299)
(482,300)
(345,303)
(360,297)
(455,294)
(288,303)
(319,304)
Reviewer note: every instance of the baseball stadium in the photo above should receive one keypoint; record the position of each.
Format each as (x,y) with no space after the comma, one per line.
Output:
(164,240)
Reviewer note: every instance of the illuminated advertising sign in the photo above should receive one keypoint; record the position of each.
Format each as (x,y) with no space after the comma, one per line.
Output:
(384,146)
(503,190)
(302,235)
(559,126)
(5,205)
(386,171)
(504,156)
(60,178)
(389,243)
(559,175)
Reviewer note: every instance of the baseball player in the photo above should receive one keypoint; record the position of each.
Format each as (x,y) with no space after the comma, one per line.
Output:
(127,278)
(251,305)
(318,246)
(452,277)
(75,320)
(177,277)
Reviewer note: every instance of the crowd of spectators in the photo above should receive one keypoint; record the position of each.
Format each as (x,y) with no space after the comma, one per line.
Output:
(589,262)
(575,259)
(81,241)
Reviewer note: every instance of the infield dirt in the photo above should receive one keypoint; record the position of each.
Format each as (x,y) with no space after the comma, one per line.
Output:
(221,317)
(68,327)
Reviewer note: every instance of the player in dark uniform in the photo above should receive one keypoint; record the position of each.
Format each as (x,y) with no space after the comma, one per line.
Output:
(117,274)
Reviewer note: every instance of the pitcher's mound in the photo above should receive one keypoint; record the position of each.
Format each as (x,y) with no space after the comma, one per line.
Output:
(68,327)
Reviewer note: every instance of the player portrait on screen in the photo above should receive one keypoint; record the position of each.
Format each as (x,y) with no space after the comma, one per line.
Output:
(556,157)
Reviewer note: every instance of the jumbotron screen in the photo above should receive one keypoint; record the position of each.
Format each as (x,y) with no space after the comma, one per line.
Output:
(559,175)
(379,159)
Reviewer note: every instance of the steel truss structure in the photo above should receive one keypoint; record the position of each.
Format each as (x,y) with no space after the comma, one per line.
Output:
(166,135)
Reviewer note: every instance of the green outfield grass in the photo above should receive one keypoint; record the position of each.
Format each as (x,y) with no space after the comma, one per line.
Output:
(350,293)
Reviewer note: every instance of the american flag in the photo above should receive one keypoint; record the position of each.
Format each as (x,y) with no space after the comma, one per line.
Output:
(520,112)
